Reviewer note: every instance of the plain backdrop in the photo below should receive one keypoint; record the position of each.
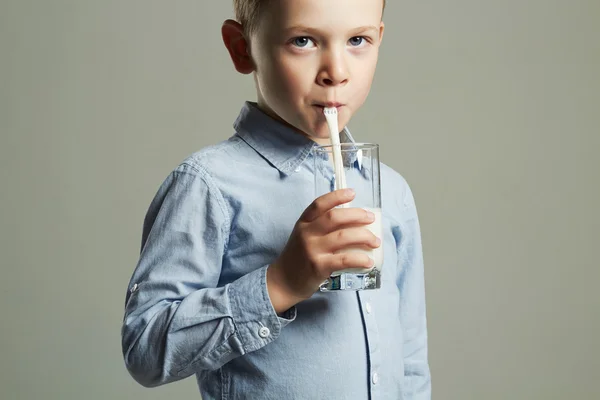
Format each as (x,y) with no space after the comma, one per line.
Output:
(490,110)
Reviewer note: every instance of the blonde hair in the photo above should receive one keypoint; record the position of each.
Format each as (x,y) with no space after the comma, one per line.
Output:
(247,12)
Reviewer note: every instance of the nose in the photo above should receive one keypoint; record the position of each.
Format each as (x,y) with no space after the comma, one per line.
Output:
(334,70)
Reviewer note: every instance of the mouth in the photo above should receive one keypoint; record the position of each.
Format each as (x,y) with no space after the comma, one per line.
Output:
(322,106)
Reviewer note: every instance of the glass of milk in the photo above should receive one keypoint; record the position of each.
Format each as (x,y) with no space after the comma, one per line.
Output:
(360,172)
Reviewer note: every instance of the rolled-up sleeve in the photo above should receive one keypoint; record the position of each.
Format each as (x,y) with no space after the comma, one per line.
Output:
(417,378)
(177,321)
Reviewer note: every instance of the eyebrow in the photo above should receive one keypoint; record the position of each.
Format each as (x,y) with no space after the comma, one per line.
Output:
(313,31)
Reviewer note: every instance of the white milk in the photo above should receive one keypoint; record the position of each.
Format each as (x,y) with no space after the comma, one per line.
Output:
(376,254)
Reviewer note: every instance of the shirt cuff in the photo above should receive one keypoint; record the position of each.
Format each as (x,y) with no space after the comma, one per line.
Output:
(256,322)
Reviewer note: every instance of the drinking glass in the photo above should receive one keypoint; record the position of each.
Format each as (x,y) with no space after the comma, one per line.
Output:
(360,163)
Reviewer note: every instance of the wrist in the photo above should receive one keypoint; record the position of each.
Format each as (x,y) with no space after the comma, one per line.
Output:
(282,297)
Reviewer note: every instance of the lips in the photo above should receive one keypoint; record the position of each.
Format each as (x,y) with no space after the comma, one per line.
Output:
(329,105)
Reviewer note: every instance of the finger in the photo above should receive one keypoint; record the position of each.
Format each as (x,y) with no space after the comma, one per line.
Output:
(337,262)
(326,203)
(338,218)
(351,237)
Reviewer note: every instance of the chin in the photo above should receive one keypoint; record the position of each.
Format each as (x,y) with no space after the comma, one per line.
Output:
(321,131)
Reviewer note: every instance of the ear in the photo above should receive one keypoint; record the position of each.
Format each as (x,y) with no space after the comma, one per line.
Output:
(381,29)
(237,45)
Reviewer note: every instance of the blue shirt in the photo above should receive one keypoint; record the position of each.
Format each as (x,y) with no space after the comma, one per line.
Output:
(198,302)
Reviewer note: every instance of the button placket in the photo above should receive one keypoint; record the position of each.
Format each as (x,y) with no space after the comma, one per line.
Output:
(373,338)
(375,378)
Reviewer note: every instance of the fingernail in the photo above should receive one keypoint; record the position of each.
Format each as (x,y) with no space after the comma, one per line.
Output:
(378,241)
(349,192)
(370,216)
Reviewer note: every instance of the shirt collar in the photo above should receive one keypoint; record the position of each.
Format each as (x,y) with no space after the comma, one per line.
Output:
(283,147)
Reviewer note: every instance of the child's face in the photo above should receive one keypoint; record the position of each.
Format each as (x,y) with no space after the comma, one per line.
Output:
(309,54)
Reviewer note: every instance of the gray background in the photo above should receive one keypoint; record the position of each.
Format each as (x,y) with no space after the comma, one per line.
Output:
(490,109)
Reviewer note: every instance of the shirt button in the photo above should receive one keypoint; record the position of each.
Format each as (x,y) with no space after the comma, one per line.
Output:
(264,332)
(375,378)
(297,169)
(134,288)
(368,308)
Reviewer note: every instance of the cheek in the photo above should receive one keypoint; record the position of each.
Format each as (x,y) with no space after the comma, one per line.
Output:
(292,76)
(363,84)
(279,79)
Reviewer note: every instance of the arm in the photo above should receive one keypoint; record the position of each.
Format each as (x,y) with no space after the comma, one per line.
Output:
(177,321)
(417,379)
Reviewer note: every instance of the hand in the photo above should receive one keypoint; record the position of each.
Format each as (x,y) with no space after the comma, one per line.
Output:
(310,255)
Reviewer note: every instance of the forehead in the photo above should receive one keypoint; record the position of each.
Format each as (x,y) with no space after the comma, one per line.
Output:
(323,14)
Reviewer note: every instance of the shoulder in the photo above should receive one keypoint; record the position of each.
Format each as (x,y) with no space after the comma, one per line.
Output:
(202,170)
(396,192)
(214,157)
(394,182)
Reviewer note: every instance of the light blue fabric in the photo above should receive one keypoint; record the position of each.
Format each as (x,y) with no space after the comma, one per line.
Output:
(198,302)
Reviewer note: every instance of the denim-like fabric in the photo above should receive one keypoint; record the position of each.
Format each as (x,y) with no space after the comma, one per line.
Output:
(198,302)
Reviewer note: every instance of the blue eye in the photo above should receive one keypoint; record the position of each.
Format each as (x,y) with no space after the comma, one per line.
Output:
(302,42)
(356,41)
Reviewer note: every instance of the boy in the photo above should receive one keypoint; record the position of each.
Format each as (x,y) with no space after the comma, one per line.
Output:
(234,247)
